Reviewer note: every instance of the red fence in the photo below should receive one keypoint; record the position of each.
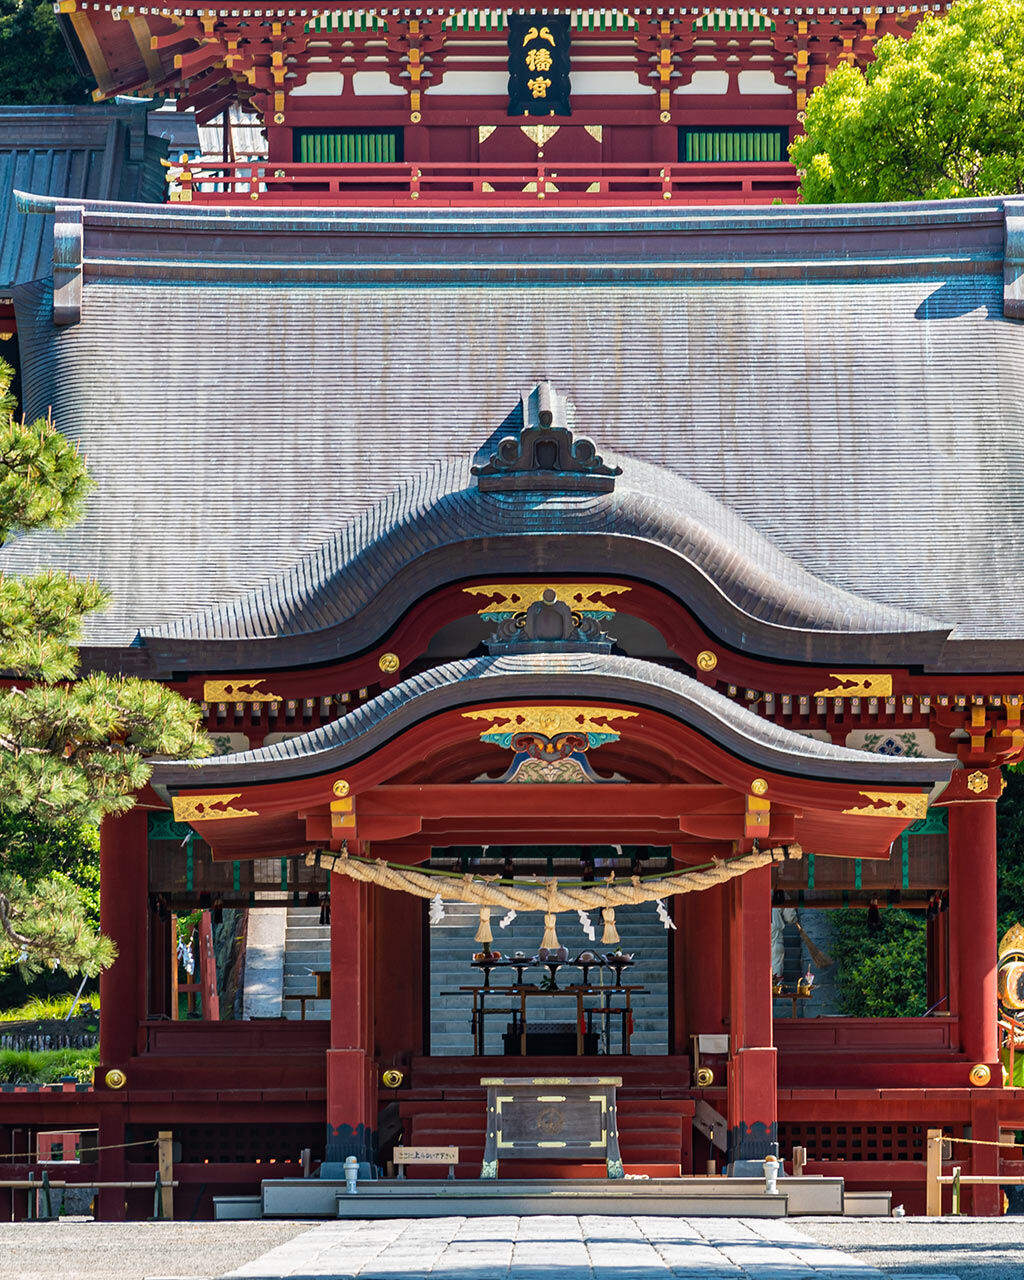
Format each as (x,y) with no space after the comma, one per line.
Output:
(483,185)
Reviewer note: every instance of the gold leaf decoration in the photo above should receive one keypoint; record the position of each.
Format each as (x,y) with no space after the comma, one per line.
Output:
(912,805)
(209,808)
(550,721)
(516,597)
(852,685)
(238,689)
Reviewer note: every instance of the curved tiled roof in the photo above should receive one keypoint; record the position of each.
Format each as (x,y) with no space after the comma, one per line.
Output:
(578,676)
(843,381)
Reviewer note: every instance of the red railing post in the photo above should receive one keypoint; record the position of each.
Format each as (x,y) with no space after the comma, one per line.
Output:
(666,182)
(414,182)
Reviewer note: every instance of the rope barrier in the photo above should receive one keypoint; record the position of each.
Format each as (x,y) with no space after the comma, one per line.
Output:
(981,1142)
(110,1146)
(549,895)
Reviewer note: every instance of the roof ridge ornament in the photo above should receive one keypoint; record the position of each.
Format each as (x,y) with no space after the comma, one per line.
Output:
(546,456)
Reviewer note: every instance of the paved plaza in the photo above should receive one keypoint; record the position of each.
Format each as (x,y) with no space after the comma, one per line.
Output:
(562,1248)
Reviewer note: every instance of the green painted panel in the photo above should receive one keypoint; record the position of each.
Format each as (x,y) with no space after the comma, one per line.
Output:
(347,146)
(732,145)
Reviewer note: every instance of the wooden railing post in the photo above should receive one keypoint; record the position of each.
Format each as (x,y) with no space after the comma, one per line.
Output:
(799,1161)
(165,1167)
(933,1171)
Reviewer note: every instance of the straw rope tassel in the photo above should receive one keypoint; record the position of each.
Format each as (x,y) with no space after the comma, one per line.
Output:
(611,934)
(550,932)
(483,929)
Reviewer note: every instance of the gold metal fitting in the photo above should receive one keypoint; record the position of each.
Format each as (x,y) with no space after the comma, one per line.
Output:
(392,1078)
(704,1078)
(341,787)
(707,660)
(666,116)
(389,662)
(980,1074)
(115,1079)
(759,786)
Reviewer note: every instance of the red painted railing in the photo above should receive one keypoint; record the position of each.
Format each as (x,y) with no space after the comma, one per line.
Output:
(497,185)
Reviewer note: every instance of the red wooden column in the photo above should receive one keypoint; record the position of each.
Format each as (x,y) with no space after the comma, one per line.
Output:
(351,1086)
(752,1110)
(701,973)
(972,909)
(124,885)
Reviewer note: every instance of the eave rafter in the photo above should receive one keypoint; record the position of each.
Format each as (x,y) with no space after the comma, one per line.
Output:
(264,47)
(348,794)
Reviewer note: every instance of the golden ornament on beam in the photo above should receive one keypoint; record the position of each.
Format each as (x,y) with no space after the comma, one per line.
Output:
(707,660)
(389,662)
(759,787)
(341,787)
(980,1074)
(115,1079)
(392,1078)
(704,1078)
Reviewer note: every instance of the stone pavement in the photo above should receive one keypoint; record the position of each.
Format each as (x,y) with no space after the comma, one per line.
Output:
(568,1248)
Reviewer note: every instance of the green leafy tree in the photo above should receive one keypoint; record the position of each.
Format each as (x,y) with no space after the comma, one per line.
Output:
(938,115)
(880,972)
(35,65)
(72,748)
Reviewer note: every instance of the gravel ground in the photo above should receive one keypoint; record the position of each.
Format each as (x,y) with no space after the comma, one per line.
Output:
(134,1250)
(971,1248)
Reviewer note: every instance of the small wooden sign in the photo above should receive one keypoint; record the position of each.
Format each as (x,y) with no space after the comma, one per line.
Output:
(426,1155)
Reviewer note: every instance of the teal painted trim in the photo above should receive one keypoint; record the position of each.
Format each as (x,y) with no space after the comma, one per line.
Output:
(810,871)
(236,875)
(858,868)
(189,862)
(935,822)
(905,858)
(161,826)
(284,873)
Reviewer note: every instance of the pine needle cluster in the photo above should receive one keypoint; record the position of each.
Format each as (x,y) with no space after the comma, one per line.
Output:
(72,747)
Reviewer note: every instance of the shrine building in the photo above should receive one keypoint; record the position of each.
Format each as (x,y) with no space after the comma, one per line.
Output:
(594,569)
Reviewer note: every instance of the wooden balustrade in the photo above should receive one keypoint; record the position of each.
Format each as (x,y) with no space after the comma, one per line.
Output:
(483,185)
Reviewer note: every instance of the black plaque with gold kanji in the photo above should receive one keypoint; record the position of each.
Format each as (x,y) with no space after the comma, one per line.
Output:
(538,64)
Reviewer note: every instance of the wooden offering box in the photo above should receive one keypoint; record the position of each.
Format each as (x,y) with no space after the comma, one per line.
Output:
(554,1117)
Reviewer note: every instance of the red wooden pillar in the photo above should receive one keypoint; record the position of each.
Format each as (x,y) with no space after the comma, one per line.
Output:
(972,908)
(351,1086)
(752,1110)
(124,884)
(986,1201)
(700,971)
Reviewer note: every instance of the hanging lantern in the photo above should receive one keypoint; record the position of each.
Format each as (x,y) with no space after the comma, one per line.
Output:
(483,929)
(550,942)
(610,936)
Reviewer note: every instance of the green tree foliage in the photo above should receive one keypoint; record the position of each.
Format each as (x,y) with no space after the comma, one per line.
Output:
(72,748)
(881,972)
(35,65)
(938,115)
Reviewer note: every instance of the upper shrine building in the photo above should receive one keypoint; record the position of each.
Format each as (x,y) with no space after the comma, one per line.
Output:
(586,593)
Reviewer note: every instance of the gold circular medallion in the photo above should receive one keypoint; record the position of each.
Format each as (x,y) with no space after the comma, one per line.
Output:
(115,1079)
(392,1078)
(415,116)
(341,787)
(978,782)
(980,1074)
(278,117)
(704,1078)
(707,660)
(388,662)
(666,116)
(759,786)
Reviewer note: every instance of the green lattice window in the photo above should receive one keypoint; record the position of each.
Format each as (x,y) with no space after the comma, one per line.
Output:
(347,146)
(732,144)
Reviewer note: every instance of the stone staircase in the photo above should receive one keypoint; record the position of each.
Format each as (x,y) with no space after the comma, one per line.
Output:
(307,945)
(452,948)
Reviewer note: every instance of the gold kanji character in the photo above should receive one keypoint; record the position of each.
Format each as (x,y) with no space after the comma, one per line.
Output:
(543,34)
(538,60)
(539,86)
